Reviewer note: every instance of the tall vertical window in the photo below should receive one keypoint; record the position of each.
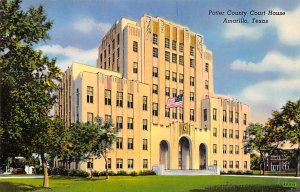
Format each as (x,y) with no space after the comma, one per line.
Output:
(181,46)
(174,58)
(168,91)
(90,94)
(155,52)
(167,75)
(119,122)
(130,101)
(145,144)
(174,76)
(192,51)
(192,62)
(154,109)
(206,84)
(192,115)
(174,92)
(192,96)
(224,149)
(205,114)
(107,99)
(174,114)
(119,143)
(118,38)
(236,117)
(155,89)
(108,49)
(237,134)
(108,164)
(230,116)
(174,45)
(206,67)
(130,123)
(113,44)
(119,99)
(230,133)
(130,163)
(145,163)
(155,72)
(245,165)
(215,163)
(135,67)
(130,143)
(181,60)
(181,113)
(192,81)
(224,164)
(167,43)
(230,149)
(237,149)
(145,106)
(90,117)
(108,118)
(119,163)
(167,56)
(245,119)
(215,132)
(155,38)
(167,112)
(224,115)
(118,52)
(225,133)
(181,78)
(214,148)
(231,164)
(135,46)
(145,124)
(214,114)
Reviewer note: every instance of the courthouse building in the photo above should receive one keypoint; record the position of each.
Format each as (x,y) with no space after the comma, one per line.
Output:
(140,65)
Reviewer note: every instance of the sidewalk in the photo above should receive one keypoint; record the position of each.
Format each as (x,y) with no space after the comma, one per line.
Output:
(22,177)
(264,176)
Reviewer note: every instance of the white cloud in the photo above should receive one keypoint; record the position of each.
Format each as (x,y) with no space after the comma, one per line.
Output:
(286,26)
(87,25)
(272,62)
(67,55)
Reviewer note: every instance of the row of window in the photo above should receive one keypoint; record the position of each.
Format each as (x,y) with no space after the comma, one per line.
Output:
(225,116)
(236,135)
(119,143)
(237,164)
(130,163)
(237,149)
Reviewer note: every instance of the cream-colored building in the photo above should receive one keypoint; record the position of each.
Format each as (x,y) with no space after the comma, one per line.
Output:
(140,65)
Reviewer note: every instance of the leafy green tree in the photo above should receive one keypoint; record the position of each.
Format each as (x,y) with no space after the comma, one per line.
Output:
(27,83)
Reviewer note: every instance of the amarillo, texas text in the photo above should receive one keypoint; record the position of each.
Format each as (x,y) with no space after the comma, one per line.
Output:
(235,16)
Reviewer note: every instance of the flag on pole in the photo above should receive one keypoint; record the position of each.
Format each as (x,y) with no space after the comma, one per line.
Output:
(175,102)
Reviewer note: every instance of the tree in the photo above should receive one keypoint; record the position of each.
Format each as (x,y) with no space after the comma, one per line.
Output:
(27,83)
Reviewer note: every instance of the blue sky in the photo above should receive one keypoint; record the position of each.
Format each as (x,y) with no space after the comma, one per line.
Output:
(259,64)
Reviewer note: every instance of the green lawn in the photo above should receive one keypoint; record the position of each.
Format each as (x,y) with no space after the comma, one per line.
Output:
(140,183)
(257,172)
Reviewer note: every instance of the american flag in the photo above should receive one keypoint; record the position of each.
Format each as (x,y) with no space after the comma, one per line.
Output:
(175,102)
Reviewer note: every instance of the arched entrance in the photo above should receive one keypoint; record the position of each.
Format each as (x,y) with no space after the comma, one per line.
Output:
(202,156)
(185,153)
(164,154)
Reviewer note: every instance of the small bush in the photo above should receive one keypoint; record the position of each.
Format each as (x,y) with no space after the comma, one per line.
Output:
(231,172)
(248,172)
(122,173)
(223,172)
(133,173)
(147,172)
(111,173)
(239,172)
(83,174)
(97,174)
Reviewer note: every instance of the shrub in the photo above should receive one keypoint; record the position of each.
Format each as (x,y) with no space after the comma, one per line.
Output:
(230,172)
(97,174)
(223,172)
(123,173)
(133,173)
(111,173)
(239,172)
(81,173)
(147,172)
(248,172)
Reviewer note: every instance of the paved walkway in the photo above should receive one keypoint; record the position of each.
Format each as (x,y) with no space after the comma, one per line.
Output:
(23,177)
(264,176)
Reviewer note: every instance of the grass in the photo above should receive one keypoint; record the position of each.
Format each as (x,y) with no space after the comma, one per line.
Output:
(145,184)
(271,173)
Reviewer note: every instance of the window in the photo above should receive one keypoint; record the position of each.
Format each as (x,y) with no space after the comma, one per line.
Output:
(119,122)
(236,117)
(108,49)
(230,149)
(245,119)
(155,52)
(108,164)
(224,164)
(155,72)
(155,37)
(224,115)
(245,165)
(225,133)
(215,163)
(90,94)
(168,91)
(167,112)
(130,163)
(119,163)
(237,149)
(104,54)
(192,81)
(230,133)
(107,97)
(181,60)
(90,117)
(174,45)
(113,58)
(192,51)
(174,92)
(214,114)
(181,113)
(119,99)
(214,148)
(230,116)
(155,89)
(174,58)
(206,67)
(206,84)
(119,143)
(224,149)
(145,163)
(118,38)
(192,115)
(174,114)
(167,75)
(145,144)
(167,56)
(135,46)
(231,164)
(135,67)
(118,52)
(192,96)
(181,78)
(174,76)
(130,123)
(192,62)
(130,143)
(107,118)
(244,135)
(145,124)
(167,43)
(154,109)
(205,114)
(181,45)
(130,101)
(237,134)
(145,106)
(215,132)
